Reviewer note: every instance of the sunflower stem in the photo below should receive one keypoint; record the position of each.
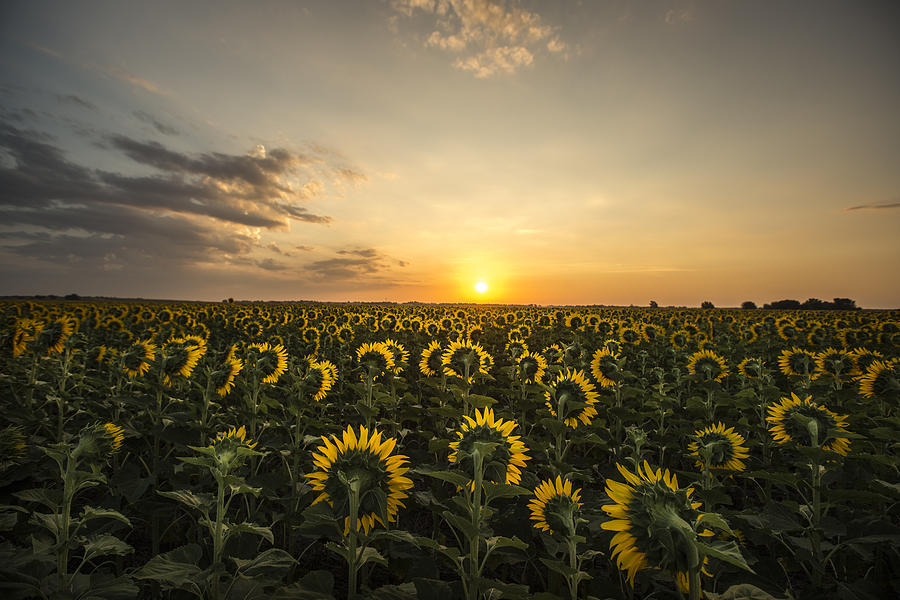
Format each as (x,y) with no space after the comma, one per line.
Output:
(475,541)
(218,539)
(353,559)
(573,564)
(695,589)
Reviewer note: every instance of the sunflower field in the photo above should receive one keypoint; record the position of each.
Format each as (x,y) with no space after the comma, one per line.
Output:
(314,451)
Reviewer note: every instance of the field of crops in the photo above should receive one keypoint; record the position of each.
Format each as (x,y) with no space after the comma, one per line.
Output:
(178,450)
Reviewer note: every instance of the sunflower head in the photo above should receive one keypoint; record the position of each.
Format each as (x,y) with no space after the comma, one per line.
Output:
(654,520)
(797,362)
(751,368)
(863,359)
(99,441)
(834,363)
(52,337)
(571,398)
(718,447)
(231,449)
(136,359)
(806,423)
(25,332)
(881,380)
(398,353)
(319,379)
(531,367)
(375,358)
(269,362)
(605,368)
(179,359)
(430,363)
(223,377)
(360,463)
(556,506)
(506,459)
(708,365)
(554,354)
(515,348)
(464,359)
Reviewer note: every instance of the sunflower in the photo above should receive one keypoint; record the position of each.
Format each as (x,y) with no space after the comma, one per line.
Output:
(464,359)
(179,359)
(571,398)
(515,348)
(376,358)
(680,339)
(345,334)
(52,338)
(366,461)
(234,436)
(881,379)
(650,332)
(319,379)
(430,363)
(785,428)
(136,359)
(399,353)
(749,334)
(554,354)
(630,335)
(797,362)
(788,332)
(652,519)
(834,362)
(507,460)
(223,378)
(863,359)
(115,436)
(751,368)
(708,364)
(26,330)
(530,368)
(725,446)
(270,360)
(605,368)
(555,506)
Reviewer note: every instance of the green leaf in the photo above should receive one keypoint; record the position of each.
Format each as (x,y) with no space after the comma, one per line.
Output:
(405,536)
(463,525)
(251,528)
(726,552)
(714,520)
(370,554)
(176,569)
(91,512)
(453,477)
(49,498)
(315,585)
(105,545)
(49,521)
(340,550)
(503,490)
(741,591)
(273,563)
(405,591)
(481,402)
(558,566)
(504,542)
(202,502)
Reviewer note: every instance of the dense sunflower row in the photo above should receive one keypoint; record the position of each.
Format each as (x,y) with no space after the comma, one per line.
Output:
(430,417)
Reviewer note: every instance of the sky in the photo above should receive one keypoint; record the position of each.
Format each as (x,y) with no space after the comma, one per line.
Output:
(561,152)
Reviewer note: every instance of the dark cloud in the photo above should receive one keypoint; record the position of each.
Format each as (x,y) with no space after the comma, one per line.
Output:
(189,209)
(75,101)
(352,263)
(882,206)
(155,123)
(245,190)
(365,252)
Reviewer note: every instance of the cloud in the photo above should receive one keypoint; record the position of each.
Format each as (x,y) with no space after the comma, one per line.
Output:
(155,123)
(491,37)
(188,209)
(132,79)
(352,264)
(882,206)
(76,101)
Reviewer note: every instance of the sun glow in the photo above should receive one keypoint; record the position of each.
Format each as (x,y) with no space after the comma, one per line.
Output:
(481,287)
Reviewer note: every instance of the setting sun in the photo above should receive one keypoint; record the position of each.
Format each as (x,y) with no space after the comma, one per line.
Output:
(481,287)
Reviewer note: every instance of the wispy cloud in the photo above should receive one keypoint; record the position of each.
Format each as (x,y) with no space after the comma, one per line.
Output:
(132,79)
(882,206)
(489,37)
(157,124)
(352,263)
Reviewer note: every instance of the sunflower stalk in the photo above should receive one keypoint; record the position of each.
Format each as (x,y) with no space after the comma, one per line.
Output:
(353,556)
(475,540)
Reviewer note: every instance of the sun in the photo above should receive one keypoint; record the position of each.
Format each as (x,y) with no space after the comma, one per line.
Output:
(481,287)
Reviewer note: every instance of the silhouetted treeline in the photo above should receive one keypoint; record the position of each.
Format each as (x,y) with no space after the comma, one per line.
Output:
(814,304)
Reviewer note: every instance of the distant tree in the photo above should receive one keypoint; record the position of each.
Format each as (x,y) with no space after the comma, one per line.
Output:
(653,304)
(784,304)
(845,304)
(748,305)
(72,296)
(814,304)
(707,304)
